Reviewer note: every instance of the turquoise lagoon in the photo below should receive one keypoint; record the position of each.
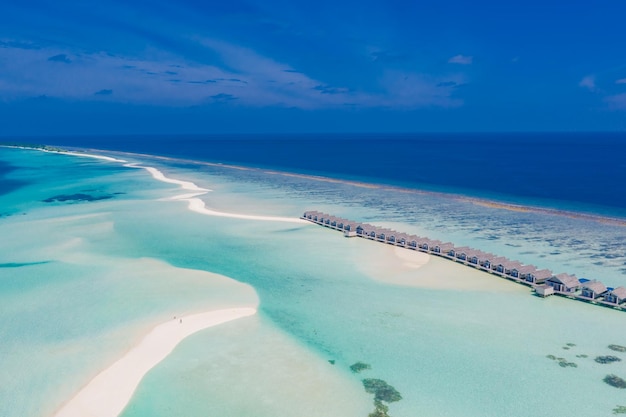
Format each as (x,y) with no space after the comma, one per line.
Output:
(81,281)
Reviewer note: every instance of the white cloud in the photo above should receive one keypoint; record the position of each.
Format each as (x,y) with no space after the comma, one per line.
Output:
(616,102)
(411,90)
(29,73)
(461,59)
(588,82)
(158,78)
(400,90)
(275,83)
(621,81)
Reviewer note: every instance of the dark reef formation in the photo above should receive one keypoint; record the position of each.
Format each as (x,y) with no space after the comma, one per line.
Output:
(21,264)
(359,366)
(607,359)
(615,381)
(75,197)
(617,348)
(381,390)
(563,363)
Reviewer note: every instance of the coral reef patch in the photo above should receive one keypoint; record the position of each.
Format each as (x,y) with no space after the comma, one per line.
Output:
(607,359)
(615,381)
(62,198)
(360,366)
(617,348)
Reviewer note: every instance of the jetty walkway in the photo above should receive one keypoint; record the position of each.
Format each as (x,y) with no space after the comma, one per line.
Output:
(542,281)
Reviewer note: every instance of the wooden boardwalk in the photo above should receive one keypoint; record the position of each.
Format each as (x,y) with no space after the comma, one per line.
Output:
(542,281)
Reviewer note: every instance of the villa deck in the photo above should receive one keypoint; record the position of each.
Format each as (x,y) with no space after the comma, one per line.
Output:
(543,282)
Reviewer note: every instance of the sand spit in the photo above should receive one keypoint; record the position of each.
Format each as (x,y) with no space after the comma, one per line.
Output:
(107,394)
(404,267)
(102,157)
(158,175)
(195,204)
(198,206)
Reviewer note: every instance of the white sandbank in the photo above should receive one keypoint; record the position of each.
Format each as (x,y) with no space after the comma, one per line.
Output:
(107,394)
(87,155)
(158,175)
(198,206)
(195,204)
(405,267)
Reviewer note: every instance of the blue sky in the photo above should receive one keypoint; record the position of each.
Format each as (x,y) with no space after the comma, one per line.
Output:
(85,67)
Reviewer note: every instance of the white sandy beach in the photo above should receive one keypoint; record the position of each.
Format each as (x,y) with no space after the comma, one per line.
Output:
(108,393)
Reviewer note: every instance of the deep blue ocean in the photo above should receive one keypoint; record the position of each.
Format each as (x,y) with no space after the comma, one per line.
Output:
(579,171)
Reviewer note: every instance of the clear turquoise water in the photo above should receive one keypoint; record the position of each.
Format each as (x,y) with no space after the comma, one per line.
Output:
(115,267)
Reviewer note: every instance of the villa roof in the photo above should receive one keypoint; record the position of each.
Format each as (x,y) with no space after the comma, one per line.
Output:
(487,256)
(500,260)
(595,286)
(463,249)
(484,255)
(528,269)
(445,246)
(620,292)
(543,274)
(568,280)
(514,265)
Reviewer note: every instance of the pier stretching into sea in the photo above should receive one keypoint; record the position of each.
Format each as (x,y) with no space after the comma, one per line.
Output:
(543,282)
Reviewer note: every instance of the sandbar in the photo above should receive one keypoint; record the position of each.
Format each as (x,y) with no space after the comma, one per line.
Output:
(195,204)
(198,206)
(158,175)
(107,394)
(405,267)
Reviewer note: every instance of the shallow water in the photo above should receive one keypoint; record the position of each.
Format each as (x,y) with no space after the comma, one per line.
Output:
(479,351)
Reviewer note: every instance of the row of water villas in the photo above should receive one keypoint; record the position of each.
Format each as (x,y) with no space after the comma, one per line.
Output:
(543,281)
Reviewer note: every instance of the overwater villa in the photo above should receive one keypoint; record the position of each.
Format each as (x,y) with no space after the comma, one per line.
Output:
(615,295)
(536,276)
(543,281)
(564,283)
(592,289)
